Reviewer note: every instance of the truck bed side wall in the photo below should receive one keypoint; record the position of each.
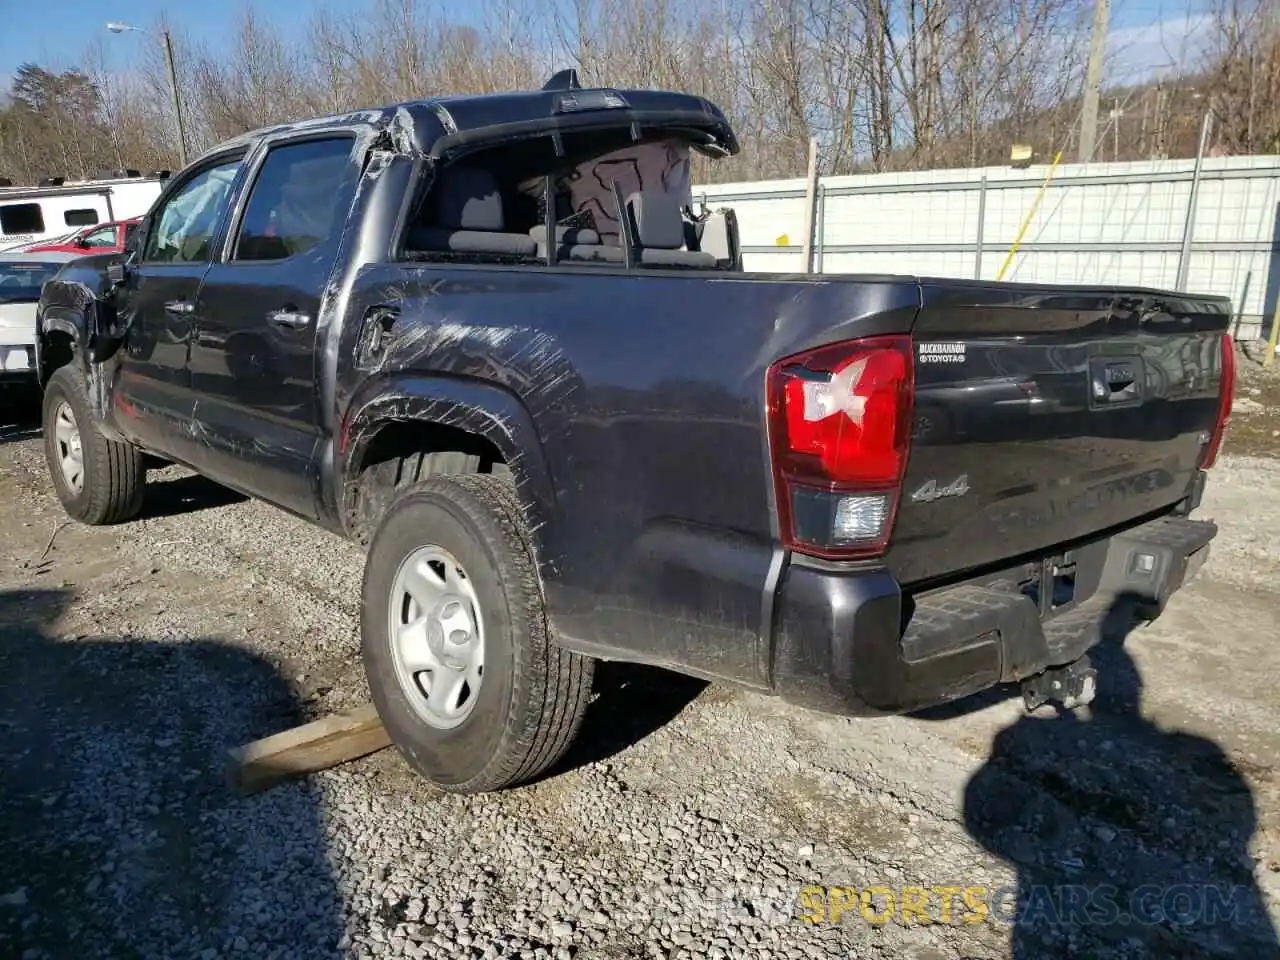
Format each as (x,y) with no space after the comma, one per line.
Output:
(645,395)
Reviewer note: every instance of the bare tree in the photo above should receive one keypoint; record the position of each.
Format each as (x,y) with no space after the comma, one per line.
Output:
(880,84)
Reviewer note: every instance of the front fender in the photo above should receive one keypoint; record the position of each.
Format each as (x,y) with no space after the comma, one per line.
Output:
(476,406)
(73,303)
(64,320)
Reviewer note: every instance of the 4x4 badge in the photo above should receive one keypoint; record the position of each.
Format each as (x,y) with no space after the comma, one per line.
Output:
(931,491)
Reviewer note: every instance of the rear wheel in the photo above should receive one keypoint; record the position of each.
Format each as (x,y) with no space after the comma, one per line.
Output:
(97,480)
(457,650)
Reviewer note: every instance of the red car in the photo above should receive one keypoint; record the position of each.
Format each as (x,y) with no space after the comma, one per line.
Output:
(100,238)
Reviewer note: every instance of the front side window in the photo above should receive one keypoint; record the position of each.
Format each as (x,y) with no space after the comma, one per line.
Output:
(295,201)
(184,228)
(97,239)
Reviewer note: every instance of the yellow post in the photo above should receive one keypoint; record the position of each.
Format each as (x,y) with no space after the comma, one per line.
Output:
(1030,213)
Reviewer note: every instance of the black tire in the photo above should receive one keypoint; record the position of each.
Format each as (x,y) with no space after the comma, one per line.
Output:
(387,480)
(114,473)
(533,693)
(417,467)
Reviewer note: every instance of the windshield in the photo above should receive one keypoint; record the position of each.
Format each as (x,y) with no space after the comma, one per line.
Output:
(22,281)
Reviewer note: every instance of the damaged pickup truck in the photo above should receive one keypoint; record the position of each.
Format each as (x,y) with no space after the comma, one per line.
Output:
(491,340)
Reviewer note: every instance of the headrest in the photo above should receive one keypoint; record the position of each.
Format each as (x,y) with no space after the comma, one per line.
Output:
(467,198)
(659,225)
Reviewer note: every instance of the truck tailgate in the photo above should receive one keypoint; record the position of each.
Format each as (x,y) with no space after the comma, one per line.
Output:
(1045,415)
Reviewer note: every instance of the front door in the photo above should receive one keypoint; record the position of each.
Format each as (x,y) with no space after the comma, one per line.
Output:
(254,355)
(152,393)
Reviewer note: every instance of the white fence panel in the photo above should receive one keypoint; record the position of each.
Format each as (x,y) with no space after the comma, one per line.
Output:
(1109,223)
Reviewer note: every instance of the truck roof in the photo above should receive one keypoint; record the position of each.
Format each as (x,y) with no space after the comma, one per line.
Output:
(440,125)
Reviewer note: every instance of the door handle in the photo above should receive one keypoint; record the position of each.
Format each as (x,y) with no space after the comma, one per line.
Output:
(289,319)
(180,307)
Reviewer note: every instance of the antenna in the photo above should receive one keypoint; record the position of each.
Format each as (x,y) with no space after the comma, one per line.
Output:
(564,80)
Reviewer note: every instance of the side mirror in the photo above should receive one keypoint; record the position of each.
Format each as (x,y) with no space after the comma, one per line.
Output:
(134,238)
(81,242)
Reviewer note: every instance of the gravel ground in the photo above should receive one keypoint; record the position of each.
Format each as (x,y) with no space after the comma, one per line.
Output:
(687,821)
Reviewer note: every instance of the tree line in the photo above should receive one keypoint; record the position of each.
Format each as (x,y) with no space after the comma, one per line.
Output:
(881,85)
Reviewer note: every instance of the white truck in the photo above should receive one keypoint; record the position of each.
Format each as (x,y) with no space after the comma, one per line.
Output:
(34,215)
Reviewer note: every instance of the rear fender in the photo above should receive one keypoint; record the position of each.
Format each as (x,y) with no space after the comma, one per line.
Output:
(480,408)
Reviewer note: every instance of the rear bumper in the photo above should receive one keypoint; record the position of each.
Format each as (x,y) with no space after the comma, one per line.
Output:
(857,644)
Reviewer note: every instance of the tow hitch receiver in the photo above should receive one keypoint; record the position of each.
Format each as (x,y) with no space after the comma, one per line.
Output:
(1070,686)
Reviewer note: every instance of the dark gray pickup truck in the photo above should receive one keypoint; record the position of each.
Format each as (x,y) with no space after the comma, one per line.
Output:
(490,339)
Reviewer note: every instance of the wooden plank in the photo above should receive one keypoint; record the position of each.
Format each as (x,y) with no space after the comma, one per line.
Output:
(313,746)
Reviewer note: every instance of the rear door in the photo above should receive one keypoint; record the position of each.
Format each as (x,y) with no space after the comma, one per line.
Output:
(1043,415)
(153,389)
(254,352)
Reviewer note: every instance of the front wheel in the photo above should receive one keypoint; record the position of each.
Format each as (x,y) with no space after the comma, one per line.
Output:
(464,673)
(97,480)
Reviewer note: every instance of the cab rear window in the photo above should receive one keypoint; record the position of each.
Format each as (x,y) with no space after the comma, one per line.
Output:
(23,281)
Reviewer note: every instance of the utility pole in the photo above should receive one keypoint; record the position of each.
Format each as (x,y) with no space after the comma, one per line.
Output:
(1116,114)
(1093,80)
(1142,137)
(177,100)
(117,27)
(1162,122)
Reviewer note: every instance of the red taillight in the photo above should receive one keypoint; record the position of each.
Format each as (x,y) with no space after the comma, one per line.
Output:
(1225,393)
(839,433)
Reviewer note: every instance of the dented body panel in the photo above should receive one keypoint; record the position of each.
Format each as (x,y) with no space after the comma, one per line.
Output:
(630,409)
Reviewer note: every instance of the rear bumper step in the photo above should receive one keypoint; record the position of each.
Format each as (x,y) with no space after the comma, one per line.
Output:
(856,644)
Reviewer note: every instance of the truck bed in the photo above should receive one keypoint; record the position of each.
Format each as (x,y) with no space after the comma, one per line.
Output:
(652,491)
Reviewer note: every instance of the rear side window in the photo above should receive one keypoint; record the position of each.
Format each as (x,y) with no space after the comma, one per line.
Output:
(80,218)
(21,218)
(295,202)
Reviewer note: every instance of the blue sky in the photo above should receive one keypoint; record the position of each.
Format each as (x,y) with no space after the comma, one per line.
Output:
(55,33)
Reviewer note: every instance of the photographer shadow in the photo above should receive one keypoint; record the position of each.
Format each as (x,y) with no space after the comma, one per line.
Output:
(118,834)
(1124,836)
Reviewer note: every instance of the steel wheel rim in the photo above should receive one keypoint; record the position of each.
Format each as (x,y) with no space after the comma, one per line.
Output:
(66,437)
(436,635)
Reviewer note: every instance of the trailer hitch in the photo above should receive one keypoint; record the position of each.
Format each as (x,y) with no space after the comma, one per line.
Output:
(1069,686)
